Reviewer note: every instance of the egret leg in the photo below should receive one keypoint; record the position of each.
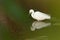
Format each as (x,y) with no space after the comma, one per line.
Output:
(39,20)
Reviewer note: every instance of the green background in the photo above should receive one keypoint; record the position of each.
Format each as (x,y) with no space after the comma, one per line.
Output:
(19,13)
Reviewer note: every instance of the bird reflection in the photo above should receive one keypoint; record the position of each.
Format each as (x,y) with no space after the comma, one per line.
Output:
(39,25)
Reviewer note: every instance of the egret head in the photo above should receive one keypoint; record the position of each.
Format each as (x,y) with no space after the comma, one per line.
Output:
(31,11)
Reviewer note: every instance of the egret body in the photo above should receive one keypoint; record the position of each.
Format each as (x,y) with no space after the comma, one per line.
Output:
(39,16)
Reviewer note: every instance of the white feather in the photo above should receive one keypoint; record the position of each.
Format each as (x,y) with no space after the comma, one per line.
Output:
(39,15)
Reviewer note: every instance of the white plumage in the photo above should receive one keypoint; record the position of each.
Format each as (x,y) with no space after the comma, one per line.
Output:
(39,15)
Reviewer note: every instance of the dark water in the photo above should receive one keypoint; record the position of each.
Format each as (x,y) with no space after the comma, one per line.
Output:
(19,22)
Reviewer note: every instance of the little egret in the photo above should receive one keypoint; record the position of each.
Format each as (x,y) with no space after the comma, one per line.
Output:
(39,16)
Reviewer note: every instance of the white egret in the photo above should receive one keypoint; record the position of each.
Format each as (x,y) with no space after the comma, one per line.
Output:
(39,15)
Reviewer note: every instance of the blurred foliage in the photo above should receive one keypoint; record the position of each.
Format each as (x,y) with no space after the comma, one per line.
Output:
(15,11)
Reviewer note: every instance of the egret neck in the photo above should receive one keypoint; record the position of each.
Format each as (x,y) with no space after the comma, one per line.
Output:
(31,11)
